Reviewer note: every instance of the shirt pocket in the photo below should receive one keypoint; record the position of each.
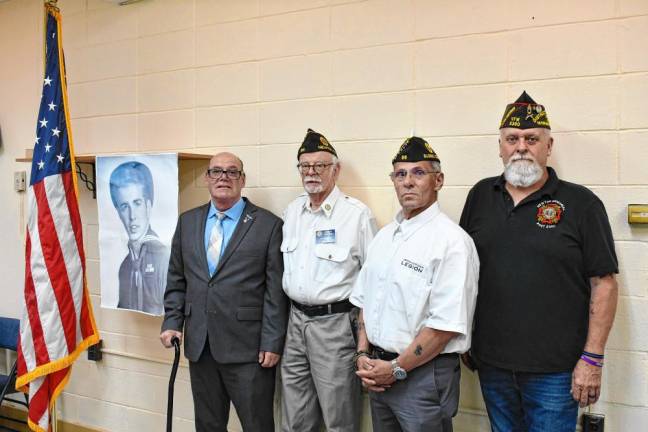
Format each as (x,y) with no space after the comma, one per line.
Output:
(331,263)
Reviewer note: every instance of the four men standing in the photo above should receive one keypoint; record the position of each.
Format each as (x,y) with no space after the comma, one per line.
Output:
(546,304)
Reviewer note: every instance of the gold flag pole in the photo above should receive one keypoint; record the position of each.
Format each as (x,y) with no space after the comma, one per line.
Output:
(54,417)
(53,410)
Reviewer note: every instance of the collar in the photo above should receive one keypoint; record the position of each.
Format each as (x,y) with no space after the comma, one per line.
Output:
(547,189)
(327,205)
(233,212)
(407,227)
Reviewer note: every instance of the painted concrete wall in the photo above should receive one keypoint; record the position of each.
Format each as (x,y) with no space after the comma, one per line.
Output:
(251,75)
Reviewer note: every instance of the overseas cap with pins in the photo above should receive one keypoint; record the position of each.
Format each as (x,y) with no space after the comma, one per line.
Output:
(415,149)
(525,113)
(315,142)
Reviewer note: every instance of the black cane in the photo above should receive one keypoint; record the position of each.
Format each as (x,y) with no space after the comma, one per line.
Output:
(174,370)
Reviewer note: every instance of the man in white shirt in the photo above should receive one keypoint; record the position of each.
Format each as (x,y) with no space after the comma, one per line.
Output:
(325,239)
(417,293)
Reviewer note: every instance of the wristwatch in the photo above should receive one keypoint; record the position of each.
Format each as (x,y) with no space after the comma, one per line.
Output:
(399,373)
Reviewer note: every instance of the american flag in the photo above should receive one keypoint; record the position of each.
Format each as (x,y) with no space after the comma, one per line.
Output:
(57,322)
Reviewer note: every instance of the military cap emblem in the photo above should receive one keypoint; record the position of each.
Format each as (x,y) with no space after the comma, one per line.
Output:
(415,149)
(315,142)
(525,113)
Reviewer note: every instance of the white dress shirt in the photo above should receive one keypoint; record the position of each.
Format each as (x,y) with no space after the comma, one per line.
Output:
(420,272)
(323,250)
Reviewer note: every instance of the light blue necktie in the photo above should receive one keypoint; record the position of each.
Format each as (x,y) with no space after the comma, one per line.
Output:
(216,240)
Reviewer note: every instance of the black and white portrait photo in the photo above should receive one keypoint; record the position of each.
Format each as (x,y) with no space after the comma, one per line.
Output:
(137,198)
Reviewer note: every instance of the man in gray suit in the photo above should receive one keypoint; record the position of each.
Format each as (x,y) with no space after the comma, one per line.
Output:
(224,286)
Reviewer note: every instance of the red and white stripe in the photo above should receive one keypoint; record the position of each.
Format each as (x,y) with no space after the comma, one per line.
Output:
(56,317)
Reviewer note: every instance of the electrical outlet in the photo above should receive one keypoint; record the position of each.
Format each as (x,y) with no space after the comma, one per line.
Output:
(94,351)
(20,181)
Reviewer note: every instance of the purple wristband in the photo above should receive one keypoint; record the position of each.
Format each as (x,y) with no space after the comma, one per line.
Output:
(590,361)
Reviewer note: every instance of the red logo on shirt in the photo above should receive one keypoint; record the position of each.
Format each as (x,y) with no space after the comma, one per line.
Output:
(549,213)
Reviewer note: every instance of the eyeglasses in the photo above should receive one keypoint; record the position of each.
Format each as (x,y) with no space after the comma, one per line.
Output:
(217,173)
(417,173)
(318,167)
(529,139)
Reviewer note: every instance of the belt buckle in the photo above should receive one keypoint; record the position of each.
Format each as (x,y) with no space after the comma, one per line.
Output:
(330,308)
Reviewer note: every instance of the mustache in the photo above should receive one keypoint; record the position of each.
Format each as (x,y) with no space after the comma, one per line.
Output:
(312,178)
(520,157)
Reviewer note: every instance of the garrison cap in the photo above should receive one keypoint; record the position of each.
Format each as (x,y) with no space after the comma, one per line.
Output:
(525,113)
(415,149)
(315,142)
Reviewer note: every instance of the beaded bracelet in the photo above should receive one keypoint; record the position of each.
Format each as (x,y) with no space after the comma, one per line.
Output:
(591,362)
(594,356)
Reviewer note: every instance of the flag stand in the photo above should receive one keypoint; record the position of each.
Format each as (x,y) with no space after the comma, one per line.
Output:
(54,417)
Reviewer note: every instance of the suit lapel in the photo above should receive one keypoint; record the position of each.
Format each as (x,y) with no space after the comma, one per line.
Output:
(242,227)
(200,237)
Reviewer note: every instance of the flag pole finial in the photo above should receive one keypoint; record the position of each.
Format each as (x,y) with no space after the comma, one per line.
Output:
(51,4)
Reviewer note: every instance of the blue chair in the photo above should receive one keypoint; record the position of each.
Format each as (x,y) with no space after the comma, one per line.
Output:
(9,330)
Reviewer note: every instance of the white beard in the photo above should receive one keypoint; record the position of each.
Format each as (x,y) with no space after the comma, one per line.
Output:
(312,188)
(521,172)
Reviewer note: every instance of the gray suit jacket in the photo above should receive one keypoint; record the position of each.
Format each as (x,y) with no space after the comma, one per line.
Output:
(242,308)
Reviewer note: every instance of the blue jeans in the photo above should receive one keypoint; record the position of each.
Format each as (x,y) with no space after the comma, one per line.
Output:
(528,402)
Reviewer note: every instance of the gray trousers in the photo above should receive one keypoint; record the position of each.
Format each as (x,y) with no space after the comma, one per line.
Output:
(425,401)
(247,385)
(318,379)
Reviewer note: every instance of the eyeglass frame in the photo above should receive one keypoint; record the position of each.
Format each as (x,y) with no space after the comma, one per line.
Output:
(323,167)
(420,176)
(208,173)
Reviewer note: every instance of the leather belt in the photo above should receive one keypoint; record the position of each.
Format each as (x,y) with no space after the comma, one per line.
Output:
(327,309)
(389,356)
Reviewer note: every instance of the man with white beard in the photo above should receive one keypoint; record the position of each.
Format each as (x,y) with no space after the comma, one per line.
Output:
(325,238)
(547,290)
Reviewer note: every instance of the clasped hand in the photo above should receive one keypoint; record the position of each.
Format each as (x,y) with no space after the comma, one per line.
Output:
(376,375)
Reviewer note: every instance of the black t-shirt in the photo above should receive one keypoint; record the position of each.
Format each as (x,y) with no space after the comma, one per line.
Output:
(535,263)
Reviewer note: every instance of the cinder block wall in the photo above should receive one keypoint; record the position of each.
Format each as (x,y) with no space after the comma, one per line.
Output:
(250,76)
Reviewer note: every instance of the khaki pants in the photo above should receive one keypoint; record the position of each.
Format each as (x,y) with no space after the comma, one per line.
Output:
(318,379)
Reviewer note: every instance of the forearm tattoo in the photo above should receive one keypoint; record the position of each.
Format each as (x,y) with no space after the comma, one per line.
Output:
(418,350)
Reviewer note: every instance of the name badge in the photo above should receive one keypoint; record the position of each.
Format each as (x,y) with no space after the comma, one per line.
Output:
(149,268)
(325,236)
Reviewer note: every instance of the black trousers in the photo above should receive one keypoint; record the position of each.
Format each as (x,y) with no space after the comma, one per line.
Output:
(247,385)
